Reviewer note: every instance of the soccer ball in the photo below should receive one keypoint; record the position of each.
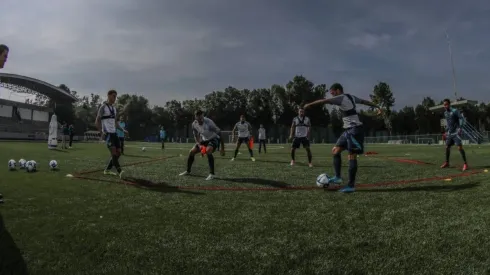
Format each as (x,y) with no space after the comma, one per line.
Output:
(31,166)
(323,180)
(12,164)
(143,149)
(22,163)
(53,164)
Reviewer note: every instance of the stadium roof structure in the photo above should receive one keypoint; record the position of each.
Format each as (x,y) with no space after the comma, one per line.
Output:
(29,85)
(460,104)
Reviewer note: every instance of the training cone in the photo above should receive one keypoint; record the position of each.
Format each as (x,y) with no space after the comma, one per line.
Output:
(251,142)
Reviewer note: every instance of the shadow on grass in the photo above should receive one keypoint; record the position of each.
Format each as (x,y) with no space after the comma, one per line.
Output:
(257,181)
(305,164)
(11,260)
(138,156)
(430,188)
(60,150)
(161,187)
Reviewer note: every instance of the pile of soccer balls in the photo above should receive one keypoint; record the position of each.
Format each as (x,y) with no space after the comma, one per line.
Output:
(30,166)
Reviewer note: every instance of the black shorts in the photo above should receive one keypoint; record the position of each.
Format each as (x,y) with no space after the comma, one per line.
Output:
(112,140)
(215,142)
(352,140)
(298,141)
(243,140)
(454,139)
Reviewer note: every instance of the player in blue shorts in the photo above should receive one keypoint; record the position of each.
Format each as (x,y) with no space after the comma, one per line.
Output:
(352,139)
(454,122)
(207,134)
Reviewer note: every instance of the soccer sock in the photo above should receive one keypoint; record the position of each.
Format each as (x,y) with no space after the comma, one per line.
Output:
(211,163)
(352,172)
(251,152)
(236,152)
(293,151)
(190,160)
(337,164)
(448,153)
(309,156)
(115,161)
(463,155)
(109,165)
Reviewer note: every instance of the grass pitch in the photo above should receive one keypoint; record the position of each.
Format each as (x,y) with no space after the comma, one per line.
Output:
(264,217)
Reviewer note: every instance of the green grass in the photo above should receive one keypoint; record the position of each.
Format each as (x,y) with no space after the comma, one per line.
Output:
(74,226)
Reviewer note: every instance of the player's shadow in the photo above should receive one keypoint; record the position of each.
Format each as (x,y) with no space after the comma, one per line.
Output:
(59,150)
(11,260)
(305,164)
(429,188)
(137,156)
(258,181)
(161,187)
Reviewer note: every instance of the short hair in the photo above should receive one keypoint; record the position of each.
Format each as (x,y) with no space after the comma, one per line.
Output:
(337,86)
(198,113)
(111,92)
(446,100)
(3,48)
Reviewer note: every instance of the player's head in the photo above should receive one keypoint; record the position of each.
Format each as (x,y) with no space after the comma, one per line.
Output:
(261,125)
(111,96)
(301,112)
(447,104)
(4,53)
(199,115)
(336,89)
(242,118)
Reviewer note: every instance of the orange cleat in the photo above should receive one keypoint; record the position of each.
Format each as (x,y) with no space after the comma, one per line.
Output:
(445,165)
(465,167)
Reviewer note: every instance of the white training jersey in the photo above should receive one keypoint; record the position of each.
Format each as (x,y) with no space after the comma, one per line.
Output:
(347,105)
(302,125)
(243,129)
(207,131)
(108,114)
(262,133)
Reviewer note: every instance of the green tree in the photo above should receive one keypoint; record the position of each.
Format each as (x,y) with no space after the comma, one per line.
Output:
(383,97)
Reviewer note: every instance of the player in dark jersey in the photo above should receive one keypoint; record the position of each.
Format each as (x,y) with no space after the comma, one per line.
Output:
(352,139)
(454,122)
(4,52)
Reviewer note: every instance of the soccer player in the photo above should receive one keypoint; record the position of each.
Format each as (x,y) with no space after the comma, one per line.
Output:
(107,124)
(300,131)
(163,135)
(120,134)
(454,121)
(4,52)
(352,139)
(65,135)
(71,130)
(262,138)
(244,131)
(207,134)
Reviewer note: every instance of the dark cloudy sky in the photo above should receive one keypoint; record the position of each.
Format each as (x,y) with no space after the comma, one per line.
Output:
(167,49)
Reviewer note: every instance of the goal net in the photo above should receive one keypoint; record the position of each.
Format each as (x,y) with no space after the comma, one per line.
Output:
(399,141)
(227,136)
(92,136)
(425,141)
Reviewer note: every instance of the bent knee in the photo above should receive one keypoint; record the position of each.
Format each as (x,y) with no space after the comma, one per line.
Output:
(336,150)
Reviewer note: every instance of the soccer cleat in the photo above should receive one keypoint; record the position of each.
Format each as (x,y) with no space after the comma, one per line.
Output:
(210,177)
(347,189)
(184,173)
(292,163)
(232,159)
(465,167)
(107,172)
(1,198)
(445,165)
(120,174)
(252,158)
(310,164)
(335,180)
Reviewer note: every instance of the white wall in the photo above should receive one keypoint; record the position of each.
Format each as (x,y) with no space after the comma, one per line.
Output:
(5,111)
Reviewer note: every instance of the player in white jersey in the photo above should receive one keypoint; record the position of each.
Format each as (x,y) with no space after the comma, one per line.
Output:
(262,139)
(206,134)
(107,123)
(352,139)
(300,132)
(4,52)
(244,132)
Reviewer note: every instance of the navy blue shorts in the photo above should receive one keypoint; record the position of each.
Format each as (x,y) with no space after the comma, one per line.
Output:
(298,141)
(243,140)
(453,139)
(352,140)
(112,140)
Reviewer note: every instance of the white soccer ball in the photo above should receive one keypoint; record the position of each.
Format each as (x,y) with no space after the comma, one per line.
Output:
(143,149)
(12,164)
(22,163)
(53,164)
(323,180)
(29,166)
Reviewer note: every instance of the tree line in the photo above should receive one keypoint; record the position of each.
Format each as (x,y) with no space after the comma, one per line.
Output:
(274,107)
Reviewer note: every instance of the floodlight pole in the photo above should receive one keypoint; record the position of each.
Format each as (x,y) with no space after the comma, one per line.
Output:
(452,65)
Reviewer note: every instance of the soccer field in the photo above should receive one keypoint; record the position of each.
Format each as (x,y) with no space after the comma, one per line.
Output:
(264,217)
